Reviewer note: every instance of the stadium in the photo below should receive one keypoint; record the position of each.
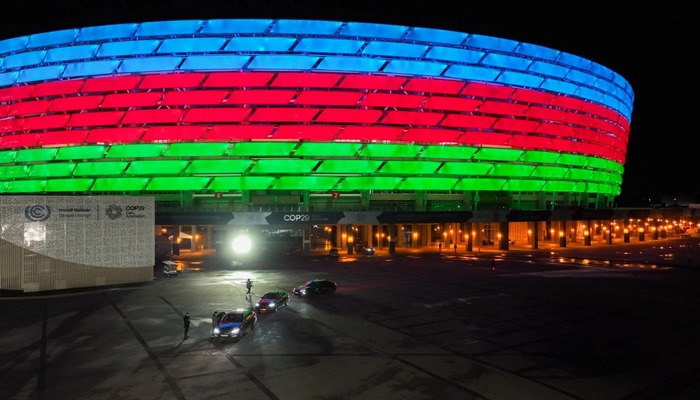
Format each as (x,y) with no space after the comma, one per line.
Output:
(308,123)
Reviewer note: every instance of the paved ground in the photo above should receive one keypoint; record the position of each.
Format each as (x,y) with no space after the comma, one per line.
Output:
(609,323)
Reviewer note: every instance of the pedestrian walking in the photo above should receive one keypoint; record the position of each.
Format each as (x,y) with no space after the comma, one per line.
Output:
(248,285)
(214,319)
(439,246)
(493,265)
(455,247)
(186,322)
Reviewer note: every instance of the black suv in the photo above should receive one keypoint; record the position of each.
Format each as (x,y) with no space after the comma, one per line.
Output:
(315,286)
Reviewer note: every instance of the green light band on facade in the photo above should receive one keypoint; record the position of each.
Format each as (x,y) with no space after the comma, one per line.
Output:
(41,163)
(459,153)
(119,184)
(540,157)
(156,167)
(465,168)
(369,182)
(348,166)
(283,166)
(68,185)
(135,150)
(547,172)
(573,160)
(177,183)
(35,186)
(419,183)
(80,152)
(35,155)
(197,149)
(218,166)
(241,183)
(390,150)
(514,170)
(494,154)
(8,156)
(522,185)
(311,182)
(14,171)
(562,186)
(412,167)
(263,149)
(103,168)
(51,170)
(578,174)
(480,184)
(328,149)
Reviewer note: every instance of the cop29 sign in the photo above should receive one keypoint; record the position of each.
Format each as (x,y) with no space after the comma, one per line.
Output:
(302,218)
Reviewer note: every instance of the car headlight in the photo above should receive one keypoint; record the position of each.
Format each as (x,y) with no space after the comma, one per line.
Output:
(272,304)
(257,304)
(216,330)
(302,291)
(235,330)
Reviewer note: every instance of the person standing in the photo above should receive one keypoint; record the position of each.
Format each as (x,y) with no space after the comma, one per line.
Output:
(186,323)
(248,285)
(214,319)
(455,247)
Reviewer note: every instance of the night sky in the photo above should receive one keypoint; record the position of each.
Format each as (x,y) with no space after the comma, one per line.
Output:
(649,45)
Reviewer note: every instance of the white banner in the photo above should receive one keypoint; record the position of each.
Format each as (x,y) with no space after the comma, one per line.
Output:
(107,231)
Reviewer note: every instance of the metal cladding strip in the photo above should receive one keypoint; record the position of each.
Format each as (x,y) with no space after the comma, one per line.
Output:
(36,114)
(198,45)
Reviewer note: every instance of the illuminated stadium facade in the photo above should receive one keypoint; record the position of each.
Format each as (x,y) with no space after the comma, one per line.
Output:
(246,116)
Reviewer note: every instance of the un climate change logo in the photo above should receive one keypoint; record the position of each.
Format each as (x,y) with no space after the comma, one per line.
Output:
(113,211)
(37,213)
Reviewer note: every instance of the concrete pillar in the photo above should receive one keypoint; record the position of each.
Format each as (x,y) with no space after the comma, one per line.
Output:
(470,238)
(193,239)
(393,232)
(505,233)
(562,234)
(306,240)
(535,234)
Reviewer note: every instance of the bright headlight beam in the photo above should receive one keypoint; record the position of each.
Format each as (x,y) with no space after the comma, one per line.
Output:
(242,244)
